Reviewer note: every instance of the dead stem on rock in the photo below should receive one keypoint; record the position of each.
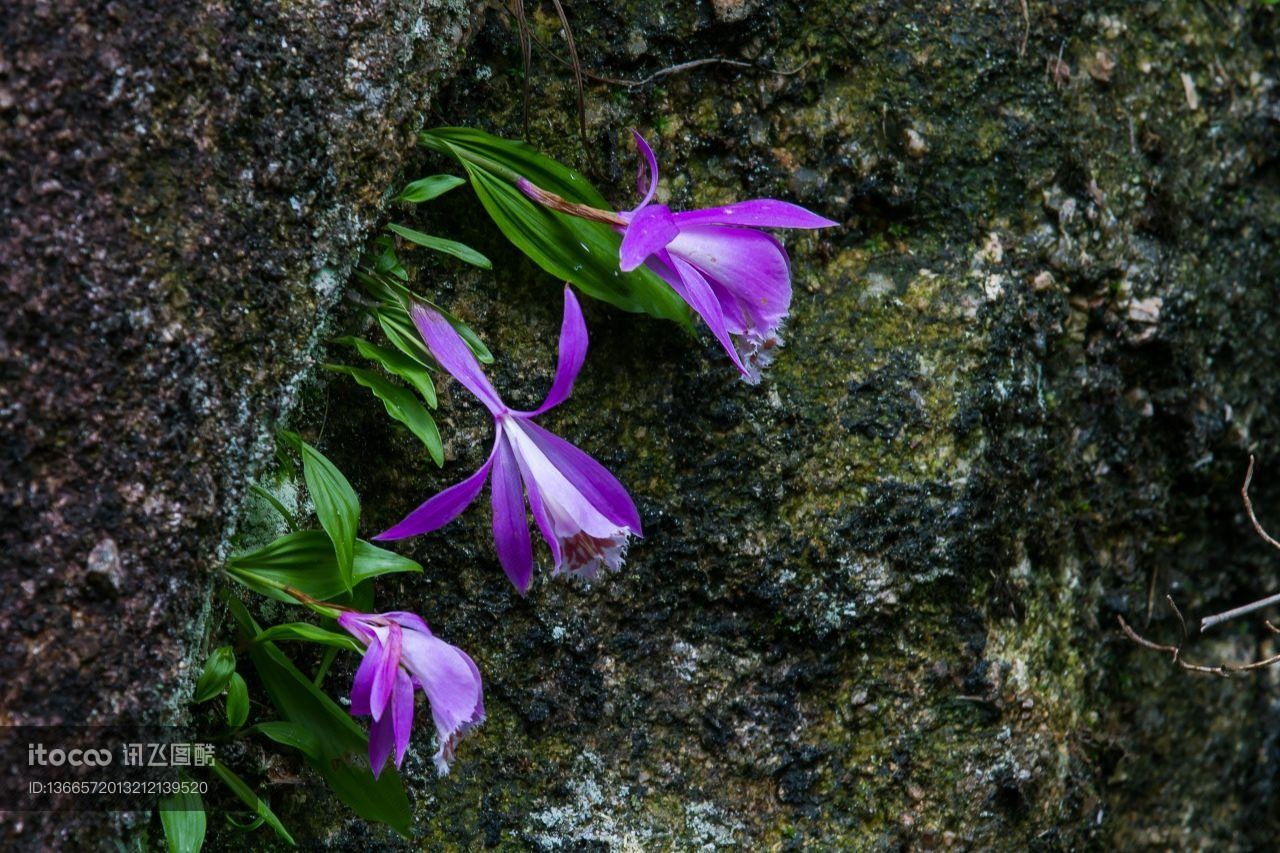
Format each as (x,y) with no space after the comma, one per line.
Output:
(1228,669)
(577,73)
(1224,670)
(526,58)
(1217,619)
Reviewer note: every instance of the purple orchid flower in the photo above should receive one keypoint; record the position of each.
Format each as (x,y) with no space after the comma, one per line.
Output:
(402,654)
(738,279)
(584,513)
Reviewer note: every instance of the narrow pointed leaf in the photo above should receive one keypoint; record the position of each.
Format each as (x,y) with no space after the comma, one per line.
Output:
(237,701)
(289,734)
(250,799)
(183,819)
(336,503)
(400,405)
(575,250)
(571,249)
(426,189)
(218,670)
(458,250)
(398,363)
(289,520)
(306,632)
(518,159)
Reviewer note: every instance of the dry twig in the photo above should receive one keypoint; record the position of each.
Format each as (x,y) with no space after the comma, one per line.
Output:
(1224,670)
(1175,652)
(1026,28)
(1219,618)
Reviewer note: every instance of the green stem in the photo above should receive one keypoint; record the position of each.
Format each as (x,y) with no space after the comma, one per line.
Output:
(329,654)
(333,611)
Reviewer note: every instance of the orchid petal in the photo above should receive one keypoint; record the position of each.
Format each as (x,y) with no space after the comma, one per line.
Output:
(751,266)
(356,624)
(647,158)
(541,516)
(442,508)
(755,213)
(510,524)
(401,714)
(649,231)
(694,289)
(573,352)
(384,673)
(448,348)
(411,621)
(381,740)
(477,712)
(448,677)
(555,489)
(591,478)
(447,744)
(363,683)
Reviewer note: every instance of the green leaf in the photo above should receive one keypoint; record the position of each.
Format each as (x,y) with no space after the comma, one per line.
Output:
(337,506)
(513,159)
(399,329)
(218,670)
(289,520)
(248,826)
(237,701)
(341,743)
(289,734)
(398,363)
(331,652)
(306,632)
(250,799)
(394,318)
(183,818)
(306,561)
(400,405)
(429,188)
(438,244)
(577,250)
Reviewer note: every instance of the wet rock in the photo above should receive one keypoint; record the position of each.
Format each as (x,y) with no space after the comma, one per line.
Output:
(160,291)
(875,605)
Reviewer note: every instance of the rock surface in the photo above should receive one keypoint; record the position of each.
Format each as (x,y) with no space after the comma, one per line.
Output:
(182,191)
(876,603)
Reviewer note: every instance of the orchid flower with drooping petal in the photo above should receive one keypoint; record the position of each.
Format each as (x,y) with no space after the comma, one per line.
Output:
(583,512)
(738,279)
(402,654)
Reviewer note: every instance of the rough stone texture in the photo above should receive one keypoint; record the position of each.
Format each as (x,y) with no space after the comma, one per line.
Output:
(182,189)
(876,605)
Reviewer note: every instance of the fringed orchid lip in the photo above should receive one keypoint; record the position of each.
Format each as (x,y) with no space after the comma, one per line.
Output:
(401,655)
(582,511)
(737,278)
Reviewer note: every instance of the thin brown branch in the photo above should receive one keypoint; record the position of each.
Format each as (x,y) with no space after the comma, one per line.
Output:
(526,56)
(1223,670)
(1248,506)
(1219,618)
(1182,623)
(577,73)
(1026,28)
(671,69)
